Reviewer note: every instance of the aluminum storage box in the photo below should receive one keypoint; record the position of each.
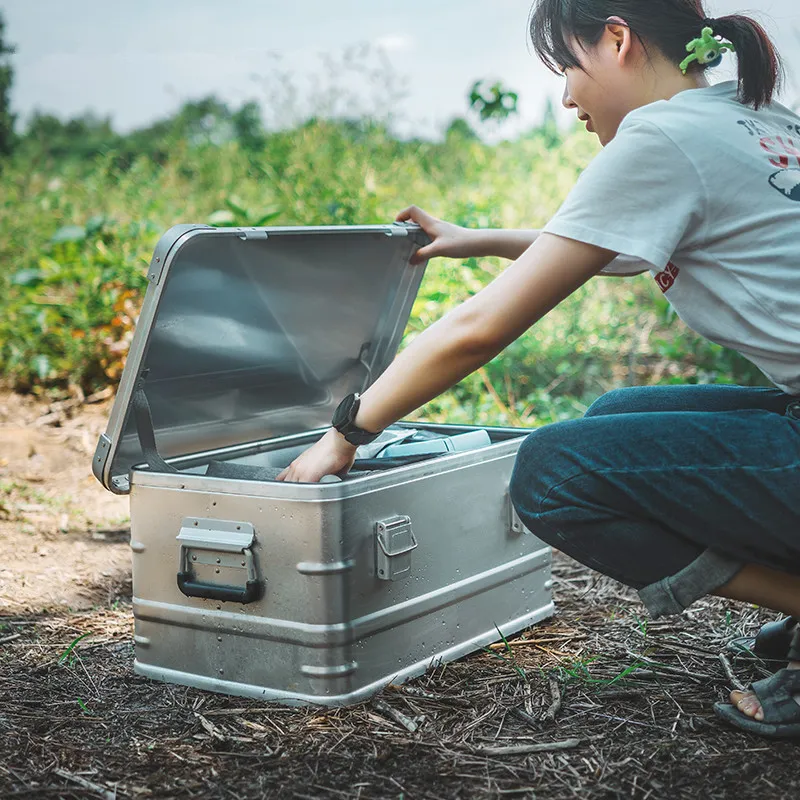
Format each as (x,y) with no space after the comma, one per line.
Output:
(304,593)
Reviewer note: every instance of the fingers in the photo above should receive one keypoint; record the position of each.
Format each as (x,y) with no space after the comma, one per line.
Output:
(424,254)
(294,473)
(408,214)
(416,214)
(431,225)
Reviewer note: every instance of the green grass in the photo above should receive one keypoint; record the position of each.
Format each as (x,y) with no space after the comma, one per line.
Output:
(69,655)
(508,657)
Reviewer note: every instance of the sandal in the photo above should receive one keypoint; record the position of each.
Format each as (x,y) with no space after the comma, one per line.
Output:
(771,643)
(781,711)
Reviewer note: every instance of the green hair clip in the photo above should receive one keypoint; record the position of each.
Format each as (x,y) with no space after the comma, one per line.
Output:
(707,50)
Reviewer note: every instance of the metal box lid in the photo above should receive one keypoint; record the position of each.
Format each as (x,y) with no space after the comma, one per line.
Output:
(252,333)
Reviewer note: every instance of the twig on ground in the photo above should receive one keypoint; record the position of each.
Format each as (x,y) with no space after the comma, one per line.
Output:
(210,728)
(93,787)
(555,705)
(732,679)
(524,717)
(524,749)
(396,715)
(414,691)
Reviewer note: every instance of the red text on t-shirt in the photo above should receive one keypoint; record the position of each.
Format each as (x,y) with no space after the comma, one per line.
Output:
(666,278)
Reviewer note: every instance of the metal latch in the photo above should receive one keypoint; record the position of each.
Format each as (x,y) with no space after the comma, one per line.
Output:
(515,524)
(221,545)
(395,541)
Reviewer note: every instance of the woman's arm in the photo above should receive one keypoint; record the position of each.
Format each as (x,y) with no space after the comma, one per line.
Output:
(453,241)
(463,340)
(510,244)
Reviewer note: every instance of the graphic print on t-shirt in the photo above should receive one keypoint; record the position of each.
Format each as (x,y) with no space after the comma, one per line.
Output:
(783,153)
(666,279)
(788,182)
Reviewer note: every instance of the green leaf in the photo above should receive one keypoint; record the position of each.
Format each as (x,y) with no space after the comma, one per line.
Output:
(27,277)
(222,219)
(66,654)
(41,366)
(235,205)
(268,217)
(96,224)
(69,233)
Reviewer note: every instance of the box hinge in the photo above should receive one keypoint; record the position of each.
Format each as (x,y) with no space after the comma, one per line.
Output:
(398,229)
(101,457)
(410,229)
(395,541)
(253,234)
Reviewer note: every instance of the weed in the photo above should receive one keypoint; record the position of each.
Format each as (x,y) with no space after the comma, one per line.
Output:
(579,671)
(508,658)
(69,656)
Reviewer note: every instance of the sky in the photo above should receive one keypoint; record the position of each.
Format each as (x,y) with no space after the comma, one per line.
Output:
(138,60)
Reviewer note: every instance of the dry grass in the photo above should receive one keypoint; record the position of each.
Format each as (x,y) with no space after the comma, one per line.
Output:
(595,704)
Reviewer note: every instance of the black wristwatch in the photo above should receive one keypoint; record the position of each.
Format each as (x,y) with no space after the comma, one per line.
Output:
(344,422)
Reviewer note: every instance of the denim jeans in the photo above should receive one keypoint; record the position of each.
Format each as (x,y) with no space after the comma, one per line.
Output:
(670,490)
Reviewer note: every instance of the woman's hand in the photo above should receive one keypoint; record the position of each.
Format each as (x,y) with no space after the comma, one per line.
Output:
(331,455)
(450,241)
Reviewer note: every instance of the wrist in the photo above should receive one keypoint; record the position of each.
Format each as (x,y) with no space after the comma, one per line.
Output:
(341,443)
(366,422)
(476,241)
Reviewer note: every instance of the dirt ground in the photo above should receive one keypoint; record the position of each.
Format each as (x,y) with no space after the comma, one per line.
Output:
(596,703)
(63,538)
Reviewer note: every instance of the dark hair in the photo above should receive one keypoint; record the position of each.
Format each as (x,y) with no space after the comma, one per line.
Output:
(669,25)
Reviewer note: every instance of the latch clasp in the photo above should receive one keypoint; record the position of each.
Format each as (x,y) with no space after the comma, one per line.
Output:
(396,541)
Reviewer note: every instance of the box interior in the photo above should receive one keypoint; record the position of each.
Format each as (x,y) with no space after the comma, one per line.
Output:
(274,455)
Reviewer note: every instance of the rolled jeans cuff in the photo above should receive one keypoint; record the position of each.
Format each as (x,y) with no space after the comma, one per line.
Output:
(676,593)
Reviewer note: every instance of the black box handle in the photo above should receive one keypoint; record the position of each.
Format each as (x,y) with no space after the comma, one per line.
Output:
(248,593)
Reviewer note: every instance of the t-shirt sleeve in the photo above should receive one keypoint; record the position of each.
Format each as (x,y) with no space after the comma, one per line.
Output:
(626,265)
(641,197)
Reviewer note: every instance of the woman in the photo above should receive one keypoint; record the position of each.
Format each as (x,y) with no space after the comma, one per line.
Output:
(683,491)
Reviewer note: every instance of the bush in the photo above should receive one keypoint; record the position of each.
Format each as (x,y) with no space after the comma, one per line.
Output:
(76,238)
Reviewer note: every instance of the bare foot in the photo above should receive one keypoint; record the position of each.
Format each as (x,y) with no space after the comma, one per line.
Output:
(748,704)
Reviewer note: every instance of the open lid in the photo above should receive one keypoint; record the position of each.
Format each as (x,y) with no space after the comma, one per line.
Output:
(252,333)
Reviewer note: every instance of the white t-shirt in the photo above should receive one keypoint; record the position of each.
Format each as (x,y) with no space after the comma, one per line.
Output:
(705,193)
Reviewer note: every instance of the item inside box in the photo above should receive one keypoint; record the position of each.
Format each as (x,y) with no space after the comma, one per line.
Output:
(395,447)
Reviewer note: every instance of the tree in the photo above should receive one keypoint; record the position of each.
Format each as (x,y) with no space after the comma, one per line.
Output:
(493,102)
(79,137)
(6,78)
(249,127)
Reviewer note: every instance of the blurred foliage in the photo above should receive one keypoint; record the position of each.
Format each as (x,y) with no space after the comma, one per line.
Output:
(82,208)
(7,135)
(493,102)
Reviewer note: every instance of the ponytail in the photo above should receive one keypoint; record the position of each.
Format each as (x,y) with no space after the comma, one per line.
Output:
(669,25)
(760,67)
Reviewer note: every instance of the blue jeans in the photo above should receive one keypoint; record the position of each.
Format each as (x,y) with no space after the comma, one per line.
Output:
(670,490)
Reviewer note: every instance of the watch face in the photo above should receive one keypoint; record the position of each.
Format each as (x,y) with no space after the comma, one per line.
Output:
(345,412)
